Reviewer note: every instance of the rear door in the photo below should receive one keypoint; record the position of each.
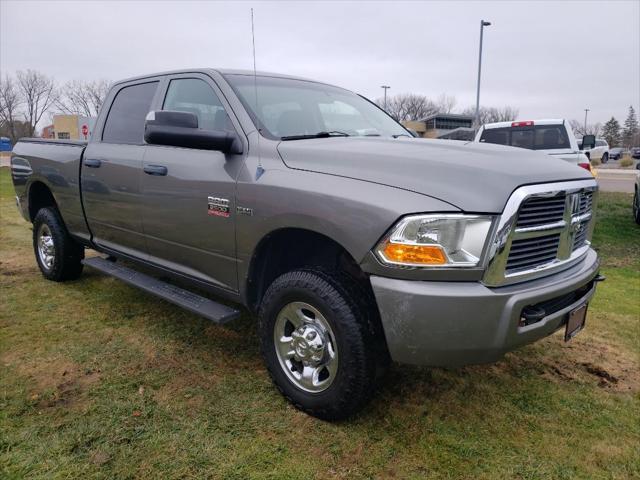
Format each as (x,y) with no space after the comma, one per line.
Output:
(188,211)
(112,167)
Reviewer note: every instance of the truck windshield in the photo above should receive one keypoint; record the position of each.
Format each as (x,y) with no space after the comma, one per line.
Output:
(539,137)
(297,109)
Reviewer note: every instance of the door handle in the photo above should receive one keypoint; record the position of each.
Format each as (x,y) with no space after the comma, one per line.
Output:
(155,170)
(92,163)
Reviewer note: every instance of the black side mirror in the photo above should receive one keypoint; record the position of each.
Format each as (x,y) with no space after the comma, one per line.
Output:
(180,129)
(588,141)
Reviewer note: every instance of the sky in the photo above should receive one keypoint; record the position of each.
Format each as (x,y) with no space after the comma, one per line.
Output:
(548,59)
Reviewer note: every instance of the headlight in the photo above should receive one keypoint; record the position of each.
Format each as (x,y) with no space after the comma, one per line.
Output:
(436,241)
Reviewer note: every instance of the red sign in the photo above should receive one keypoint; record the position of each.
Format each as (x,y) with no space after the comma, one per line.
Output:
(85,130)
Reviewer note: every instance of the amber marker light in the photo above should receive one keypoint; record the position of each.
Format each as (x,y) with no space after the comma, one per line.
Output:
(414,254)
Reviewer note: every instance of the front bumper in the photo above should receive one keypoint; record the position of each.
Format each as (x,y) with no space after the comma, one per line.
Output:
(461,323)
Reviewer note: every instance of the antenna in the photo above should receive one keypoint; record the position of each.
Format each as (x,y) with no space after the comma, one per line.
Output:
(259,170)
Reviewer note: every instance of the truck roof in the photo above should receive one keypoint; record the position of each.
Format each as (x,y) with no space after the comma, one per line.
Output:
(222,71)
(543,121)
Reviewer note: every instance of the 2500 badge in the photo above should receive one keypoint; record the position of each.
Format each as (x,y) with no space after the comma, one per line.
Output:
(218,207)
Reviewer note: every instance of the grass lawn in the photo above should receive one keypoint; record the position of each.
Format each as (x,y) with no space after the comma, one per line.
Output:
(99,380)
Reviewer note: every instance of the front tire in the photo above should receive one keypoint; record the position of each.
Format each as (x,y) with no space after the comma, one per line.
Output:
(58,255)
(636,207)
(318,343)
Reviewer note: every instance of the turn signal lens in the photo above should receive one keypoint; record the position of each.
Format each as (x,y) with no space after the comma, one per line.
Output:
(414,254)
(435,240)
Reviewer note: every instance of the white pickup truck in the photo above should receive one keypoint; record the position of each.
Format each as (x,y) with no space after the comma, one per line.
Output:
(598,152)
(551,136)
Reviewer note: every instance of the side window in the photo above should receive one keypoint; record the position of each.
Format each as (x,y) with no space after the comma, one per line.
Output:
(497,136)
(195,96)
(125,123)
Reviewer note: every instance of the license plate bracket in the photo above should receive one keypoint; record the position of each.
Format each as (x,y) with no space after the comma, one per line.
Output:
(575,321)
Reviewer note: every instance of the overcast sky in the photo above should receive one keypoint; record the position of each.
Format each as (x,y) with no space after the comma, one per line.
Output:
(549,59)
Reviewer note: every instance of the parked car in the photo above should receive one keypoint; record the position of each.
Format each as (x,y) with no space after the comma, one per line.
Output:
(351,249)
(635,152)
(599,152)
(616,153)
(551,136)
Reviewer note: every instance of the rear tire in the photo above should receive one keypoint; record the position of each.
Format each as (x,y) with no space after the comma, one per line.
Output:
(636,207)
(318,343)
(58,255)
(605,158)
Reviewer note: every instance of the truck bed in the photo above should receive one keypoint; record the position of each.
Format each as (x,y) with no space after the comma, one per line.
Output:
(56,164)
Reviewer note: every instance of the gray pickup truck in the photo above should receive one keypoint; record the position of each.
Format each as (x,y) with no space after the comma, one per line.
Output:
(353,243)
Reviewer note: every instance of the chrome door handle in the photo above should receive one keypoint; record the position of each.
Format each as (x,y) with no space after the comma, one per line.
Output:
(155,170)
(92,163)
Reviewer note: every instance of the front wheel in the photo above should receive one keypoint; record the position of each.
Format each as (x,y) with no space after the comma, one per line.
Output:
(318,343)
(636,207)
(58,255)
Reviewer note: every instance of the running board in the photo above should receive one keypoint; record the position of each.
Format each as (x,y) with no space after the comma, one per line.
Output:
(214,311)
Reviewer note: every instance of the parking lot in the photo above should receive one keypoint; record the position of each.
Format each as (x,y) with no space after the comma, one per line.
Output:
(101,380)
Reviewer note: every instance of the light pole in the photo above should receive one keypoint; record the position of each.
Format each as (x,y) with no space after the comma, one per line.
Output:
(586,110)
(386,87)
(482,25)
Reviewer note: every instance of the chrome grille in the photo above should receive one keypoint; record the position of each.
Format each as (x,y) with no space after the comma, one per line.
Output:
(543,228)
(541,211)
(528,253)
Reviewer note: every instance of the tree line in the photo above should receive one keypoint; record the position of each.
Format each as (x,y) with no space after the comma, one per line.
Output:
(616,135)
(414,107)
(26,98)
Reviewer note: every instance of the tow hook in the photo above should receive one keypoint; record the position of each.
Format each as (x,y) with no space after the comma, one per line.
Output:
(599,278)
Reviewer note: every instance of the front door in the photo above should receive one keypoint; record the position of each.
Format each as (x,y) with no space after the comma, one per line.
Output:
(111,172)
(188,210)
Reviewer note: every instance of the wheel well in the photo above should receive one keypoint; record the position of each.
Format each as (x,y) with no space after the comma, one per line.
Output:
(291,249)
(39,197)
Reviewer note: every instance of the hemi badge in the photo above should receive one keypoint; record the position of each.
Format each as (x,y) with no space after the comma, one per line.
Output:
(244,211)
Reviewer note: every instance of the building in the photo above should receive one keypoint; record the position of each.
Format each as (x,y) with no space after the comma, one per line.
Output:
(71,127)
(48,132)
(450,126)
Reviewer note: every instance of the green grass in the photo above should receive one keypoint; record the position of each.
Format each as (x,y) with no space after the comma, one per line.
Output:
(98,380)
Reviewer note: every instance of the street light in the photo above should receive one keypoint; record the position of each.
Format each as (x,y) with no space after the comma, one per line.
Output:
(586,110)
(483,24)
(386,87)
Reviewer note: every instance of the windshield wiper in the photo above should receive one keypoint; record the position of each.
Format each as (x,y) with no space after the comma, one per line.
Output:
(333,133)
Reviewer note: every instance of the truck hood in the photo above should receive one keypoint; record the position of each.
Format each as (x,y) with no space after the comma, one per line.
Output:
(474,177)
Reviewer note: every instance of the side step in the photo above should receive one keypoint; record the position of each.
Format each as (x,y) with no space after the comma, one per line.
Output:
(205,307)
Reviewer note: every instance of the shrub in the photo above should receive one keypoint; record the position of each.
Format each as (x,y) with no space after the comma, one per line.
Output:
(626,161)
(595,162)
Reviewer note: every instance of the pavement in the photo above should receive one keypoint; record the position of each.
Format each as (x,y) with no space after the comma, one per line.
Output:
(617,180)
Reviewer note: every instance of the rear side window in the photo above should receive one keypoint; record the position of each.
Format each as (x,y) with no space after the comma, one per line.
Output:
(125,123)
(541,137)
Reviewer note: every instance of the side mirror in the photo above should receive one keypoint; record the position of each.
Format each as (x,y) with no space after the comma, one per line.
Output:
(180,129)
(588,142)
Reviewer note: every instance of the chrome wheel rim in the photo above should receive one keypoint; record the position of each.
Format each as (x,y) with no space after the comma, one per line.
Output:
(46,247)
(306,347)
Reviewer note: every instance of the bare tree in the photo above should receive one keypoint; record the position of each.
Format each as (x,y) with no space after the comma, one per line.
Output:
(39,94)
(579,128)
(409,106)
(82,98)
(446,103)
(493,114)
(10,102)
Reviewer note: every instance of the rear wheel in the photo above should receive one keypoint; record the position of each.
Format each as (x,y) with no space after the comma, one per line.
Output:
(636,207)
(318,343)
(58,255)
(605,158)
